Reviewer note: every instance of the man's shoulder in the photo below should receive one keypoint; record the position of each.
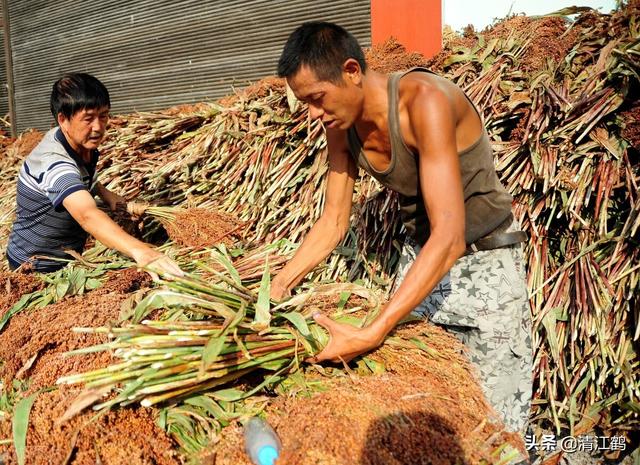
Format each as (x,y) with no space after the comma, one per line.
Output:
(48,151)
(423,86)
(47,156)
(431,99)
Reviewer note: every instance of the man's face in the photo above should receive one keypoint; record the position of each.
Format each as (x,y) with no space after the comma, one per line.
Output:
(337,105)
(86,129)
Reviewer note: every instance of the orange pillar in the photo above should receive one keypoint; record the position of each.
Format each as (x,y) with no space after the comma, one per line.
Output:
(416,24)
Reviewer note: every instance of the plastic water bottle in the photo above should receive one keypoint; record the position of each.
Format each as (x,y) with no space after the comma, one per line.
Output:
(261,442)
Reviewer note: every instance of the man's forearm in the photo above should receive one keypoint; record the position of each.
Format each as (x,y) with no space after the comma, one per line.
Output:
(434,261)
(321,240)
(102,191)
(99,225)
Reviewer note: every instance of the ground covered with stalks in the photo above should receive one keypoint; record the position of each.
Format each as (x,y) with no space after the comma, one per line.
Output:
(235,184)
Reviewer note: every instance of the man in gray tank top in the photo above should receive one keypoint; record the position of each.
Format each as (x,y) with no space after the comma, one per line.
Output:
(418,134)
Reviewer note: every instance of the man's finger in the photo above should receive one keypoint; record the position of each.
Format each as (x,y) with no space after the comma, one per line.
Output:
(137,208)
(279,293)
(154,276)
(164,265)
(324,321)
(173,268)
(319,357)
(331,356)
(118,205)
(168,266)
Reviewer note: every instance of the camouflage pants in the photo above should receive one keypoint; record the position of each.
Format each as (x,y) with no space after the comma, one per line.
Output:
(483,301)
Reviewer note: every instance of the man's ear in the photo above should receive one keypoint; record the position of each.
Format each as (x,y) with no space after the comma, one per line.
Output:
(351,71)
(61,118)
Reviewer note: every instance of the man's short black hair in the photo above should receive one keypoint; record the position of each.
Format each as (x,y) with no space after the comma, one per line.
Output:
(321,46)
(75,92)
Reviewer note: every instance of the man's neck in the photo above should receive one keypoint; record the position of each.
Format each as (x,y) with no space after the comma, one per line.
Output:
(84,154)
(375,106)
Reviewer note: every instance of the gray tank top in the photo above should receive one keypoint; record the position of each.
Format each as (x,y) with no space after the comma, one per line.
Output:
(487,203)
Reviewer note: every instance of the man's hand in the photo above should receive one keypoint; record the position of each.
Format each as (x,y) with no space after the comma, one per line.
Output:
(112,199)
(83,209)
(279,289)
(137,208)
(115,201)
(345,341)
(157,262)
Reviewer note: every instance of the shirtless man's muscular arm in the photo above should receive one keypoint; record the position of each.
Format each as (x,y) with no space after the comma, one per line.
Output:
(432,129)
(332,225)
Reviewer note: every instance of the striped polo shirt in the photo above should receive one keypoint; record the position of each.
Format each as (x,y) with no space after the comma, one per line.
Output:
(43,227)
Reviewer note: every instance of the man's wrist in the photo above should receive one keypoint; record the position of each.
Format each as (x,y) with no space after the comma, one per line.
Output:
(143,254)
(284,279)
(377,331)
(279,286)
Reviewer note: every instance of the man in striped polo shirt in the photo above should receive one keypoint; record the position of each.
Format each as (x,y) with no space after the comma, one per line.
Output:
(57,181)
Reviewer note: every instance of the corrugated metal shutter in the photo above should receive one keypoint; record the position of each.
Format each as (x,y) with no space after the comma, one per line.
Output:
(156,53)
(4,92)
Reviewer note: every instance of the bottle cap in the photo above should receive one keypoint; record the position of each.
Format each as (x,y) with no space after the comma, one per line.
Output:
(267,455)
